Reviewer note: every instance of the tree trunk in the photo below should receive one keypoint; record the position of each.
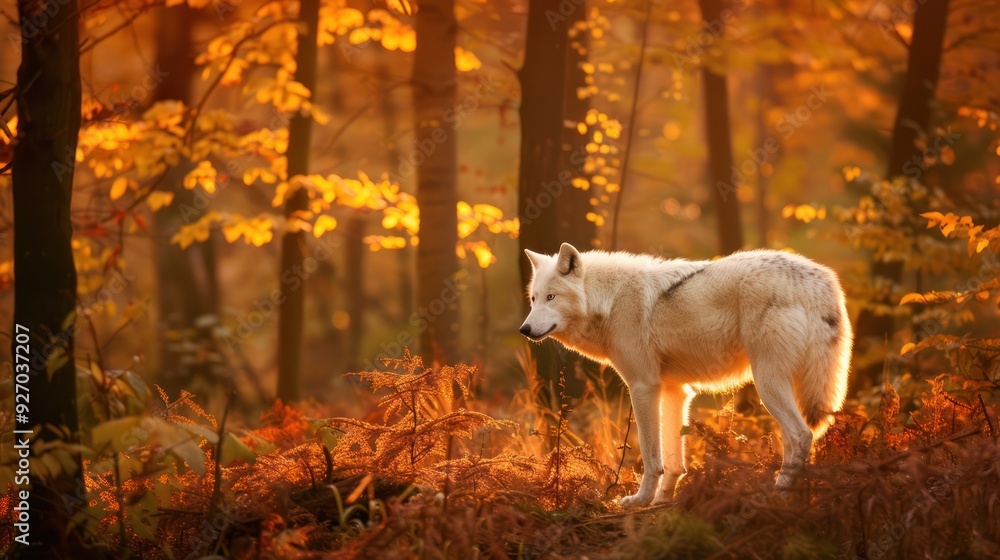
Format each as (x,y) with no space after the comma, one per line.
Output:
(574,204)
(912,119)
(434,92)
(543,181)
(48,109)
(720,151)
(292,299)
(186,287)
(541,116)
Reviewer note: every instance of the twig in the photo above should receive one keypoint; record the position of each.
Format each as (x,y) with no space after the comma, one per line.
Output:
(904,454)
(121,506)
(628,429)
(986,415)
(217,484)
(196,112)
(89,45)
(97,344)
(631,127)
(358,114)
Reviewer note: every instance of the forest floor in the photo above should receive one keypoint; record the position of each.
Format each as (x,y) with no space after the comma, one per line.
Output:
(429,474)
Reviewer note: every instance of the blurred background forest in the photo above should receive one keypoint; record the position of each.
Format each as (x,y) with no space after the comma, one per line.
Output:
(243,201)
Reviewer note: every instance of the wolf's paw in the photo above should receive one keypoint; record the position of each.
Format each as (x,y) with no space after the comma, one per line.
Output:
(668,486)
(663,498)
(785,480)
(635,500)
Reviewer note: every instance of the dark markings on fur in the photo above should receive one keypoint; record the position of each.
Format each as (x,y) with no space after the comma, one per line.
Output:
(572,264)
(670,291)
(768,306)
(832,320)
(595,321)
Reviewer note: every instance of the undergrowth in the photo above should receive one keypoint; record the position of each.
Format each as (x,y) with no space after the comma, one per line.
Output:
(429,474)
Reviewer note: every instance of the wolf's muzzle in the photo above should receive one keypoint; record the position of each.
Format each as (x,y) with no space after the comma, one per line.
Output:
(526,331)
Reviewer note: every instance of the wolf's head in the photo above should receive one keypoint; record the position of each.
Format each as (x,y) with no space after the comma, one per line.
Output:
(556,292)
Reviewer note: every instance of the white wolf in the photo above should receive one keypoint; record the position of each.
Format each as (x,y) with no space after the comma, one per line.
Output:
(674,327)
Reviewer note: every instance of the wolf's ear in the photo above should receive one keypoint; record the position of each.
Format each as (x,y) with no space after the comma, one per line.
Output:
(536,258)
(568,261)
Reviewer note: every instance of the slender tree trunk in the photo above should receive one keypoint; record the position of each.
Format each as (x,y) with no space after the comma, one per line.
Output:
(186,287)
(48,109)
(434,93)
(715,105)
(720,151)
(389,113)
(768,78)
(355,287)
(336,348)
(765,91)
(912,119)
(290,310)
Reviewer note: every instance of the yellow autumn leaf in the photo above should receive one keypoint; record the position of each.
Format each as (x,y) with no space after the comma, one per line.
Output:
(488,211)
(466,227)
(159,199)
(232,232)
(377,242)
(907,348)
(483,255)
(203,175)
(119,187)
(947,156)
(402,6)
(393,242)
(805,213)
(324,224)
(298,90)
(913,298)
(932,218)
(466,61)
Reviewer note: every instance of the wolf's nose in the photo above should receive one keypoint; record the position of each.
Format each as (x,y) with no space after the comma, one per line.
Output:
(526,330)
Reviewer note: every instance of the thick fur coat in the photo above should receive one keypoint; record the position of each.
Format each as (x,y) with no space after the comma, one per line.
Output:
(671,328)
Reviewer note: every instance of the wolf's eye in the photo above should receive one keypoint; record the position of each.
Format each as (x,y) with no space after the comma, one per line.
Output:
(550,297)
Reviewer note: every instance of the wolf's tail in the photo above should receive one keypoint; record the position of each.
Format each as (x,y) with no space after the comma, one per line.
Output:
(822,387)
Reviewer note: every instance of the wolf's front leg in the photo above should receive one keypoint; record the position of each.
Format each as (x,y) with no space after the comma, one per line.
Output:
(646,406)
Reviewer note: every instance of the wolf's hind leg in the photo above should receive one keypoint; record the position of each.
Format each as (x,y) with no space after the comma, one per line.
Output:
(774,385)
(674,402)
